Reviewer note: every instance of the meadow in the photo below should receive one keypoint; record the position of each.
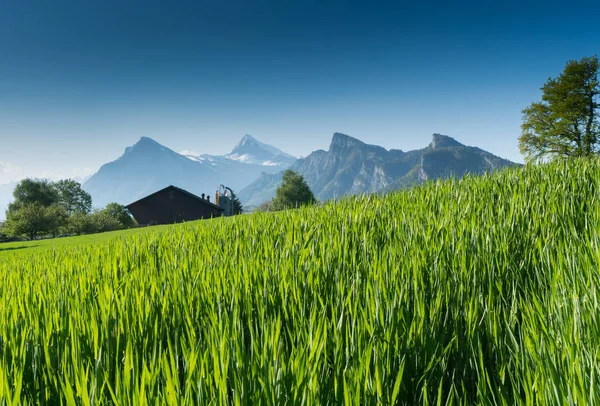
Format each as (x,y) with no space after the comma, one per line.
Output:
(476,291)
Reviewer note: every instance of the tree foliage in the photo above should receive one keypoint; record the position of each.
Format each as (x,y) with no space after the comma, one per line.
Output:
(33,219)
(34,192)
(119,213)
(293,192)
(81,223)
(103,221)
(72,197)
(113,217)
(43,208)
(238,208)
(565,123)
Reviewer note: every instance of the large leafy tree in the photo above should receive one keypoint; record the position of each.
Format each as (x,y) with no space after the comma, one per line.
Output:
(72,197)
(565,123)
(34,191)
(292,192)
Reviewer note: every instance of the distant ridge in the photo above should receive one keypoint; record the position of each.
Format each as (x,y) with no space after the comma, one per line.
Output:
(351,166)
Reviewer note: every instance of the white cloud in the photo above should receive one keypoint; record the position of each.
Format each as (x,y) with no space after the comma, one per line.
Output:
(10,173)
(79,174)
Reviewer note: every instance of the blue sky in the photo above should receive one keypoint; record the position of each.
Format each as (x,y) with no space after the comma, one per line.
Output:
(80,81)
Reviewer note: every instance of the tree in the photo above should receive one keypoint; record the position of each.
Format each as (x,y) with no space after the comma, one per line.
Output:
(103,221)
(120,214)
(72,197)
(81,223)
(265,206)
(237,205)
(293,192)
(565,122)
(56,219)
(34,191)
(33,219)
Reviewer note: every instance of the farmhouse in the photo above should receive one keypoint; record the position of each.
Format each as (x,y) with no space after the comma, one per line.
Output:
(173,205)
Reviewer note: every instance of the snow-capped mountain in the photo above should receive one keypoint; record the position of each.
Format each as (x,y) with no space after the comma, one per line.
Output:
(251,151)
(248,151)
(148,166)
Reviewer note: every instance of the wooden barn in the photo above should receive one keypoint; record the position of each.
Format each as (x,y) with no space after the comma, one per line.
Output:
(172,205)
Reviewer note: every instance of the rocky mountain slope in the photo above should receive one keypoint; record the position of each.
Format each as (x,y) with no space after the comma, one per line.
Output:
(350,167)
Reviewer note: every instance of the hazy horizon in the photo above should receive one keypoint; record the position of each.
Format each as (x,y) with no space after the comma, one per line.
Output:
(79,82)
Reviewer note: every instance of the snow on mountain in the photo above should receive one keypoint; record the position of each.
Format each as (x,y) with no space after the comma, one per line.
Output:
(148,166)
(248,151)
(252,151)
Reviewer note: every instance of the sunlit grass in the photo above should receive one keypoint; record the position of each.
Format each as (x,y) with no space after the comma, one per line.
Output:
(483,290)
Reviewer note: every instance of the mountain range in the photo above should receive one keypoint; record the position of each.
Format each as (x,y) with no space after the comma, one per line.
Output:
(148,166)
(350,167)
(254,169)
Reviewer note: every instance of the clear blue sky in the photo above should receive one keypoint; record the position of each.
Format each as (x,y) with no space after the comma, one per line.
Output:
(81,80)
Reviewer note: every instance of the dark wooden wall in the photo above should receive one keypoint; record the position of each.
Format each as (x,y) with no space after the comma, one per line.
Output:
(170,206)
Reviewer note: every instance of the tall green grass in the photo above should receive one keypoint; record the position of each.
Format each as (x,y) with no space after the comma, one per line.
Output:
(483,290)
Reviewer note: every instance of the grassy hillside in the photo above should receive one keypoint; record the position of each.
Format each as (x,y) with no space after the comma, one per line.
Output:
(483,290)
(56,243)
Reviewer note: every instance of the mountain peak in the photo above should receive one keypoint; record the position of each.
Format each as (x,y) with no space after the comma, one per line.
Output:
(443,141)
(251,150)
(246,139)
(340,140)
(145,144)
(148,140)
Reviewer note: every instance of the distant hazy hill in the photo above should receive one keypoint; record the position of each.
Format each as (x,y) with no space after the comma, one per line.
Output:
(351,167)
(149,166)
(6,196)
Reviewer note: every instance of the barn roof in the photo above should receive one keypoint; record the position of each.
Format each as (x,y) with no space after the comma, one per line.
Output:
(182,191)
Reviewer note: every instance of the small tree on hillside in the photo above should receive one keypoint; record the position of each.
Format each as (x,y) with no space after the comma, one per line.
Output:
(565,122)
(34,220)
(237,204)
(81,223)
(265,206)
(293,192)
(119,213)
(103,221)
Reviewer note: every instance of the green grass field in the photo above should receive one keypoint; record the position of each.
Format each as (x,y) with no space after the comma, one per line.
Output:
(39,245)
(478,291)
